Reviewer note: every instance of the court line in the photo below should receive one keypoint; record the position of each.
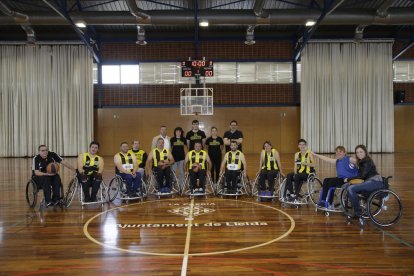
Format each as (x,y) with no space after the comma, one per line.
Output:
(395,237)
(86,233)
(187,239)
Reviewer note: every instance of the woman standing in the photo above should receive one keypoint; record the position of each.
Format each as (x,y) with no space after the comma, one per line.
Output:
(215,146)
(178,151)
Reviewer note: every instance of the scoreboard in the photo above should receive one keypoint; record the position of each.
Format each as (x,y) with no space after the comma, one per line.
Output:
(190,68)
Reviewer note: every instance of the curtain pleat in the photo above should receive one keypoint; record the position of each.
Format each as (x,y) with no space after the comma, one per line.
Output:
(346,96)
(46,97)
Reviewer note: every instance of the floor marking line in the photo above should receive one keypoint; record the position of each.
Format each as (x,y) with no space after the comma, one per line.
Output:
(406,243)
(187,240)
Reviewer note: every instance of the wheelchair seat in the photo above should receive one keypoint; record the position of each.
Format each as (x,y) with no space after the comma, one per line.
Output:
(163,190)
(383,206)
(198,191)
(117,189)
(242,186)
(262,195)
(32,192)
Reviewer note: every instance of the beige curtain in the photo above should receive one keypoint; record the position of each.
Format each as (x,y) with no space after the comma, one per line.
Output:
(346,96)
(46,97)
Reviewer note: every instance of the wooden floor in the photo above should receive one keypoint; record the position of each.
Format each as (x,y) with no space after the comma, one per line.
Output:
(211,236)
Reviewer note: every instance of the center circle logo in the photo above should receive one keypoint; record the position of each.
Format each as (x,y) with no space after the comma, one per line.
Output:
(196,228)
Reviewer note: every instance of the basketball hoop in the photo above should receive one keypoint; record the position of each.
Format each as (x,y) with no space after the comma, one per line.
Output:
(196,101)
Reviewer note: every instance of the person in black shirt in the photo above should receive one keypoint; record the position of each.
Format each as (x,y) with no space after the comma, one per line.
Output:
(195,135)
(178,148)
(366,171)
(48,180)
(233,135)
(215,146)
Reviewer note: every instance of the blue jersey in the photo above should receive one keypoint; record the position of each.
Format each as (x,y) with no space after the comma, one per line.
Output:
(345,169)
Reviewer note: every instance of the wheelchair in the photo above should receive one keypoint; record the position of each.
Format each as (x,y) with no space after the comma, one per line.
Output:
(242,186)
(32,193)
(154,186)
(208,187)
(75,187)
(383,207)
(334,193)
(262,196)
(308,193)
(117,189)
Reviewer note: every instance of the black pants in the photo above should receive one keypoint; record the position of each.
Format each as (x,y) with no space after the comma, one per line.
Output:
(215,168)
(47,182)
(296,180)
(231,179)
(160,175)
(201,176)
(95,184)
(328,183)
(270,176)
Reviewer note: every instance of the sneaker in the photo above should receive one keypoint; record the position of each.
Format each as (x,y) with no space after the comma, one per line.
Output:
(331,207)
(269,193)
(262,193)
(321,204)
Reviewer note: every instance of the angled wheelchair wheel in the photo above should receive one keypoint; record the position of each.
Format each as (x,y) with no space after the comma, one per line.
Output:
(114,188)
(31,193)
(345,202)
(71,191)
(314,189)
(384,207)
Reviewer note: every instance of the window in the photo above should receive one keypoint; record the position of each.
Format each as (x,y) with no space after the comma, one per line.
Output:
(129,74)
(224,72)
(120,74)
(403,71)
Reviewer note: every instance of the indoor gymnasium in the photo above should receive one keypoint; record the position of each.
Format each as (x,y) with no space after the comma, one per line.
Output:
(198,137)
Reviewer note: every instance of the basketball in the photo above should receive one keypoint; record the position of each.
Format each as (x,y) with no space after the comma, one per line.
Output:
(196,167)
(52,168)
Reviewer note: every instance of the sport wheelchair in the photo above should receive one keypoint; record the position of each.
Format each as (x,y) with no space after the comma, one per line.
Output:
(117,189)
(32,193)
(75,187)
(266,195)
(155,188)
(383,207)
(334,193)
(308,193)
(242,186)
(195,192)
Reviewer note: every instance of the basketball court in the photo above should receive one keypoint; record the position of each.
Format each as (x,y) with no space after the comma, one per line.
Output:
(332,72)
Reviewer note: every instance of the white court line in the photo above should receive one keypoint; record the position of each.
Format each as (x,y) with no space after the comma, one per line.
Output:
(187,239)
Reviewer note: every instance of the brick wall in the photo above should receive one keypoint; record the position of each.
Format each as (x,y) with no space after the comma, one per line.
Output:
(399,45)
(230,94)
(227,94)
(177,51)
(408,88)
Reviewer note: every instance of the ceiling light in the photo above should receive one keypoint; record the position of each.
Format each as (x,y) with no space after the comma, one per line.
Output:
(203,23)
(141,36)
(80,24)
(310,23)
(250,35)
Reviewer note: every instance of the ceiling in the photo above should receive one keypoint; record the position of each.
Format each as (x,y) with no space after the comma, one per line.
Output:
(177,20)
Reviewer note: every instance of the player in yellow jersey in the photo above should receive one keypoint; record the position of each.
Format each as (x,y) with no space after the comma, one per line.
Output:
(90,168)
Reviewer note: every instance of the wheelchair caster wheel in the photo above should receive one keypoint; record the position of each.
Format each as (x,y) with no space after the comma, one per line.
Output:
(297,206)
(326,214)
